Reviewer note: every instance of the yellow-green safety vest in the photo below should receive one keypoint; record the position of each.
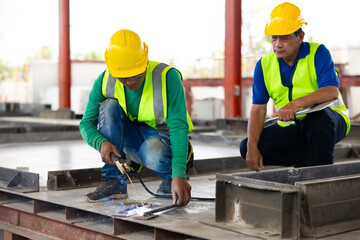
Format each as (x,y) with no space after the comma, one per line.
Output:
(303,83)
(153,103)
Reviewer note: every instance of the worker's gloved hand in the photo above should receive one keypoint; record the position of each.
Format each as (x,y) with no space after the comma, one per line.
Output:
(181,191)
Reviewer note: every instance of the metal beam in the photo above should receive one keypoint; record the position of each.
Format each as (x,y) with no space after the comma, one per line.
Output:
(270,201)
(19,181)
(39,225)
(232,81)
(64,54)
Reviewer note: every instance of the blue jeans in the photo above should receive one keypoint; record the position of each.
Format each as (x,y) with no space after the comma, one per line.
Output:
(143,144)
(310,142)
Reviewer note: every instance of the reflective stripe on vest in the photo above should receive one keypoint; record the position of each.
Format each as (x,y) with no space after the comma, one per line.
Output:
(153,103)
(158,102)
(304,82)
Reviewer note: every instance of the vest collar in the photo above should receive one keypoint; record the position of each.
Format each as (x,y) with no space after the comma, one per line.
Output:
(304,51)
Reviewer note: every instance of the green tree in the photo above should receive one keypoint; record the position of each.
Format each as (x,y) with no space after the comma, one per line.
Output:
(6,71)
(43,53)
(92,55)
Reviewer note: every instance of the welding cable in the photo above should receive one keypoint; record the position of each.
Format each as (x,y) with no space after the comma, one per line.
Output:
(169,195)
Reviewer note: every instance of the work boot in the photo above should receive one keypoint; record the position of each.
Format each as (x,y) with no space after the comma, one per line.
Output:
(164,187)
(110,188)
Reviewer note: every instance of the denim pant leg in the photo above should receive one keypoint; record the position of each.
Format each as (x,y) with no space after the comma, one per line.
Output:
(155,151)
(143,144)
(114,125)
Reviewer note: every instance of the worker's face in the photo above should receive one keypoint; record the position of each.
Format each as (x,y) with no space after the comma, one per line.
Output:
(133,83)
(287,46)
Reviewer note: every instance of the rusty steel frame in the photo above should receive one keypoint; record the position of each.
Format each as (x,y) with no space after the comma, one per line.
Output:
(233,79)
(322,200)
(37,219)
(64,55)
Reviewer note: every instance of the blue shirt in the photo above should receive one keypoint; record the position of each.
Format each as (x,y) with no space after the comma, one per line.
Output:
(324,66)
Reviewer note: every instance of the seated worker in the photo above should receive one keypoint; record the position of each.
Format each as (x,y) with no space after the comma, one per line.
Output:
(295,75)
(137,110)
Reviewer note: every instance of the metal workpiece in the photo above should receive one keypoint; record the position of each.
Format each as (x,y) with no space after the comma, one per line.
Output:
(90,177)
(292,202)
(330,205)
(66,215)
(19,181)
(70,179)
(263,209)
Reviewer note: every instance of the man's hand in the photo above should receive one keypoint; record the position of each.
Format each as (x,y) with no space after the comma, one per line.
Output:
(254,159)
(105,150)
(287,113)
(181,188)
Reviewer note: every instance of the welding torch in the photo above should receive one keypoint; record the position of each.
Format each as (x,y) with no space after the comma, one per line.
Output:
(121,164)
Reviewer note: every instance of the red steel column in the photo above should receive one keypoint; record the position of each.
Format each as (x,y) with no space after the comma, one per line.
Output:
(232,80)
(64,54)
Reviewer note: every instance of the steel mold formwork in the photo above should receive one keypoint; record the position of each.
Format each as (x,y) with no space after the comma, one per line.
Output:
(312,201)
(66,215)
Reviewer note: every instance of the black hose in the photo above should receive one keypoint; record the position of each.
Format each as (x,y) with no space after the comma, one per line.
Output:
(169,195)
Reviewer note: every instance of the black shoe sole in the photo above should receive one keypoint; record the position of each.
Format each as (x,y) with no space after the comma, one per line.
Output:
(113,196)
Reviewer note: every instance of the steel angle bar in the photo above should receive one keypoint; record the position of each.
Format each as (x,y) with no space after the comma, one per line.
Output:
(81,178)
(256,183)
(19,181)
(329,203)
(269,207)
(69,179)
(292,175)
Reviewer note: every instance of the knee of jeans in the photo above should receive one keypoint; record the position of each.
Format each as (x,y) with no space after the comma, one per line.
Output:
(108,107)
(156,155)
(108,110)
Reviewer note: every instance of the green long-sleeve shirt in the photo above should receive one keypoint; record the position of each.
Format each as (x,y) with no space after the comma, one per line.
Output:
(177,122)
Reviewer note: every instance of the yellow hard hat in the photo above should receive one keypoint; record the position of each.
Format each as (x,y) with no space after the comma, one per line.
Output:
(284,19)
(126,56)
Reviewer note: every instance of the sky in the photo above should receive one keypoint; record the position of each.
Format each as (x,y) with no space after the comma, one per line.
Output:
(174,30)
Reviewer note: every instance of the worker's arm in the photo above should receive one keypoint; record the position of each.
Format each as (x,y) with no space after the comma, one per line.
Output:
(321,95)
(179,137)
(254,158)
(89,122)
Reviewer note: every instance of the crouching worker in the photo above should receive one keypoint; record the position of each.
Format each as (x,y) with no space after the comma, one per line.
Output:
(137,110)
(296,75)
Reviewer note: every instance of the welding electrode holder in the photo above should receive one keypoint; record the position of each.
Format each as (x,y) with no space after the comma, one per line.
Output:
(121,163)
